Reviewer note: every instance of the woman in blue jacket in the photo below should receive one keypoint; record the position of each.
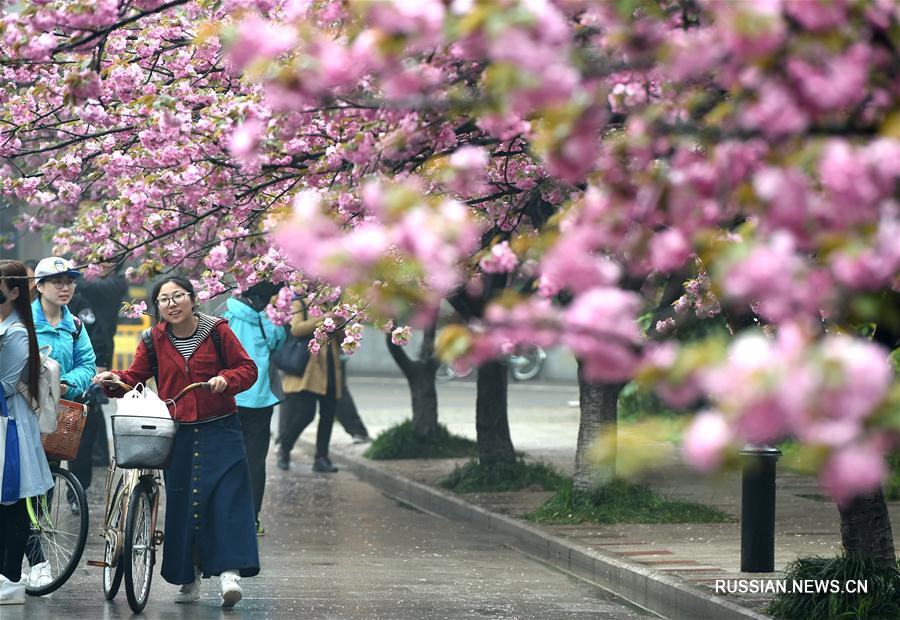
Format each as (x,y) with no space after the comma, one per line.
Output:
(259,337)
(71,347)
(19,362)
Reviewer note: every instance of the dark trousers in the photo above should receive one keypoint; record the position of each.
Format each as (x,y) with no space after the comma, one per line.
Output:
(83,463)
(14,528)
(348,415)
(255,426)
(297,410)
(100,453)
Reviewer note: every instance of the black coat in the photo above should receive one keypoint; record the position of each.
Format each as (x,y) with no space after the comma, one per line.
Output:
(97,303)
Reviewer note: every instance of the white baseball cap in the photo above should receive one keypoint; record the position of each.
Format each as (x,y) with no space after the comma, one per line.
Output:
(54,266)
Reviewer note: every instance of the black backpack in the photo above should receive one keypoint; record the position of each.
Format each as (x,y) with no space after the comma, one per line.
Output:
(151,349)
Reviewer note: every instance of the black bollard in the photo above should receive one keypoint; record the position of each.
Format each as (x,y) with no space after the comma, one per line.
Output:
(758,509)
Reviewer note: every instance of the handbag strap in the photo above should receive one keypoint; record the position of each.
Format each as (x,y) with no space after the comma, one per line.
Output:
(303,305)
(305,317)
(21,386)
(262,332)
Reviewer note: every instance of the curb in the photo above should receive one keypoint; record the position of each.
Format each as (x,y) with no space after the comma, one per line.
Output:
(638,584)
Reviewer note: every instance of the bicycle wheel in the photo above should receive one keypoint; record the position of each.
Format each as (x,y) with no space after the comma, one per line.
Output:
(112,575)
(59,528)
(444,373)
(137,552)
(528,365)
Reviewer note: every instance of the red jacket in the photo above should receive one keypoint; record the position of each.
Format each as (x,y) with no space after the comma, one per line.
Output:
(175,373)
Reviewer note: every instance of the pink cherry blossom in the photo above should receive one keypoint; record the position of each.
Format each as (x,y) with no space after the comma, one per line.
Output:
(500,260)
(706,439)
(400,336)
(246,139)
(135,311)
(853,470)
(669,250)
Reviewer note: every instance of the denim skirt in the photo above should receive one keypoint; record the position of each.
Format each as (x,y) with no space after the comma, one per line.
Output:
(210,521)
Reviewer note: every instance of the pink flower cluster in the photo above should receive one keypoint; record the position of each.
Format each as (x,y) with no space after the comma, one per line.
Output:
(823,393)
(433,236)
(501,259)
(400,336)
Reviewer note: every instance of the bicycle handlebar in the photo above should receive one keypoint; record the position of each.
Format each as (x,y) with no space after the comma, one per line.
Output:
(193,386)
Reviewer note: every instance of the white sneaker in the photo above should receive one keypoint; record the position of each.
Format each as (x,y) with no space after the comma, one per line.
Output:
(12,592)
(231,588)
(39,575)
(190,592)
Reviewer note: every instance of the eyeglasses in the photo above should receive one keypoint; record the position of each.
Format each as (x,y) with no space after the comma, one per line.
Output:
(61,284)
(176,299)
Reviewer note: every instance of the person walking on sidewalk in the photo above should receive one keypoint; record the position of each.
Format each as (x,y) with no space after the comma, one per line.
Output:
(347,413)
(70,345)
(209,524)
(96,302)
(25,460)
(248,321)
(320,384)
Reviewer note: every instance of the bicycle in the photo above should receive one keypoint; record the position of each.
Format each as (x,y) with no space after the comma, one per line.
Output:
(130,527)
(524,365)
(59,529)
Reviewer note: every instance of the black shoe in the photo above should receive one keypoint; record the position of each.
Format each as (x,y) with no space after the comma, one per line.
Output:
(284,461)
(323,465)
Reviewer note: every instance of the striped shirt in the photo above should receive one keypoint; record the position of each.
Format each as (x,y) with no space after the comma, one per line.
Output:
(186,346)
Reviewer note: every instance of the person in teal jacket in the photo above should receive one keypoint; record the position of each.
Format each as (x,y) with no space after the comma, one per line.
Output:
(55,326)
(259,336)
(71,347)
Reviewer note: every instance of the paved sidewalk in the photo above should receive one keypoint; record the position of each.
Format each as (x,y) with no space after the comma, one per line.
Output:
(336,547)
(545,427)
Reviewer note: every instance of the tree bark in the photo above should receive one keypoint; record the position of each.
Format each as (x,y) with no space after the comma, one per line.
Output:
(491,419)
(420,376)
(599,406)
(866,529)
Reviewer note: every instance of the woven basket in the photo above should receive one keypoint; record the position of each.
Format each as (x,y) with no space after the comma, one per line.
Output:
(62,444)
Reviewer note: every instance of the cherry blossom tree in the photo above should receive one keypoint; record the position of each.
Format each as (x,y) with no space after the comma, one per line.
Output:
(555,169)
(749,149)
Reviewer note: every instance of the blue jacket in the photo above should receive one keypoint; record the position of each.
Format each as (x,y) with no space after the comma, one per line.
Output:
(249,326)
(76,359)
(34,473)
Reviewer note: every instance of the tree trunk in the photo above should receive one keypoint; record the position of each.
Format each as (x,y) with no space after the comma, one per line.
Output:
(424,401)
(420,376)
(866,529)
(599,405)
(491,419)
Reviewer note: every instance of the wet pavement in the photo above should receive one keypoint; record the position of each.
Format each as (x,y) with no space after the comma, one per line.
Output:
(336,547)
(543,420)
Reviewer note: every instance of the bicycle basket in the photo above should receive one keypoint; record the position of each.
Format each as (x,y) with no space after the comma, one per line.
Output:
(143,442)
(62,444)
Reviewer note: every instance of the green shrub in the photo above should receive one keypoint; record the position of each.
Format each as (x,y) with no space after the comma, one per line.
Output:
(882,600)
(621,501)
(636,403)
(473,477)
(400,442)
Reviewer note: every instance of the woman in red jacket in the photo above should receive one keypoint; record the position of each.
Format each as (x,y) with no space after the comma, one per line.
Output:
(210,523)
